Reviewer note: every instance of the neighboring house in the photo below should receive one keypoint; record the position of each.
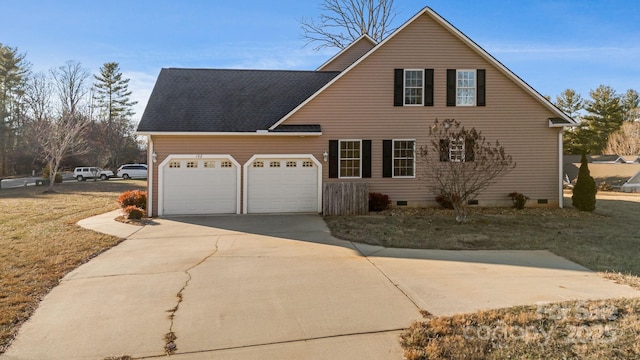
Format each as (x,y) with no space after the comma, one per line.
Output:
(611,169)
(632,185)
(261,141)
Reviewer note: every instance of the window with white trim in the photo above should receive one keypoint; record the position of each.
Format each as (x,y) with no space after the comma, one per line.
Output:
(226,164)
(307,163)
(404,158)
(258,164)
(192,164)
(292,163)
(350,158)
(465,87)
(456,150)
(174,164)
(274,164)
(413,87)
(209,164)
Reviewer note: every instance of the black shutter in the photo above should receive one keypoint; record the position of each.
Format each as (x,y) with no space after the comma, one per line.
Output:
(366,158)
(428,87)
(481,90)
(387,158)
(451,87)
(333,158)
(469,153)
(398,87)
(444,149)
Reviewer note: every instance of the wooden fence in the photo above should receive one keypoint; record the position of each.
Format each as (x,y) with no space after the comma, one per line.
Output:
(347,198)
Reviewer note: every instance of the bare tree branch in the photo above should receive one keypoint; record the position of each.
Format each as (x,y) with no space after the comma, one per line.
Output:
(458,180)
(343,21)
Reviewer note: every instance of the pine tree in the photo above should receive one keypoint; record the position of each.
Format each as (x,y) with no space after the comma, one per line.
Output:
(605,117)
(112,97)
(584,193)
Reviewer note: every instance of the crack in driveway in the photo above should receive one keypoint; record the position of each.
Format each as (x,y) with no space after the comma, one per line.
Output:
(170,338)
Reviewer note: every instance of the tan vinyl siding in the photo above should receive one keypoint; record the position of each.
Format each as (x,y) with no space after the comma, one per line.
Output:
(360,106)
(348,56)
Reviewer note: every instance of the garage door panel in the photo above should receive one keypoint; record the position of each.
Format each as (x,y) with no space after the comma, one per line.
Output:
(290,187)
(200,187)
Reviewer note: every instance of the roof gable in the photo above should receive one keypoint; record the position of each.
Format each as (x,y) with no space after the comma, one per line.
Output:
(211,100)
(561,120)
(349,55)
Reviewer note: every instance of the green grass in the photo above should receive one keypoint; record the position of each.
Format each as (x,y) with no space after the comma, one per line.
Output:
(40,242)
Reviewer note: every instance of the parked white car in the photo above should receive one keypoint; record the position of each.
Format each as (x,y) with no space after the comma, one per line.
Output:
(91,172)
(132,171)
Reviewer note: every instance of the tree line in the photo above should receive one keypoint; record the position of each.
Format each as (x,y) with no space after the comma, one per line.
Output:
(65,117)
(609,123)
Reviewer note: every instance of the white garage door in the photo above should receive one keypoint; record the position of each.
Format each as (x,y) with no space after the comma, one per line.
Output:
(282,185)
(199,186)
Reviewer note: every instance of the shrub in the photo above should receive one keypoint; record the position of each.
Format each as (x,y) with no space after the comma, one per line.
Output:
(378,202)
(135,198)
(46,174)
(584,193)
(519,200)
(133,212)
(444,202)
(605,186)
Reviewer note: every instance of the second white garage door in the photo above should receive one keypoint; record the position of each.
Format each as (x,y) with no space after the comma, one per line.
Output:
(282,184)
(206,185)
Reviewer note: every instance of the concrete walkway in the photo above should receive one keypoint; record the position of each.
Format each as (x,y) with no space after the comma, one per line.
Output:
(274,287)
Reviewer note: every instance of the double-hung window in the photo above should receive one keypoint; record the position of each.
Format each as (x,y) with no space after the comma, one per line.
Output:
(404,158)
(413,87)
(456,150)
(465,87)
(350,157)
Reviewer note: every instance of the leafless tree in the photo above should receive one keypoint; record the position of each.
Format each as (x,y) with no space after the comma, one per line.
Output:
(458,163)
(58,128)
(343,21)
(70,81)
(625,141)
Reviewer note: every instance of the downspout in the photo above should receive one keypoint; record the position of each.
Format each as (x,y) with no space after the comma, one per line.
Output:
(560,169)
(150,165)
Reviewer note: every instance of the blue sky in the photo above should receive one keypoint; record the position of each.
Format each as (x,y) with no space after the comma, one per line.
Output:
(551,44)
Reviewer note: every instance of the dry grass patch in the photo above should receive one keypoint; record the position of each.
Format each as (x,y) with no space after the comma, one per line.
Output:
(571,330)
(606,240)
(40,242)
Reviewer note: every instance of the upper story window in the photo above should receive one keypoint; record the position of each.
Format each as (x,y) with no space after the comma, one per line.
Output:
(349,158)
(413,87)
(465,87)
(404,158)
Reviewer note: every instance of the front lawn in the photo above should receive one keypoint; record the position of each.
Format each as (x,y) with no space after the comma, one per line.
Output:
(40,242)
(607,240)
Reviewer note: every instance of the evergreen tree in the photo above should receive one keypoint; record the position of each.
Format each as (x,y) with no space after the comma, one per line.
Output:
(112,97)
(605,116)
(584,193)
(13,73)
(571,103)
(630,104)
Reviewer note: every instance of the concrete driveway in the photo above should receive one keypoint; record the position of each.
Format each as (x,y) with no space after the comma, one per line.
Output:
(274,287)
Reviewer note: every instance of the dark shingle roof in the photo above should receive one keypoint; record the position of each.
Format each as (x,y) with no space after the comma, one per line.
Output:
(211,100)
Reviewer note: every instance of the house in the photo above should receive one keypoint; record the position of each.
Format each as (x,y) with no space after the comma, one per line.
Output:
(264,141)
(611,169)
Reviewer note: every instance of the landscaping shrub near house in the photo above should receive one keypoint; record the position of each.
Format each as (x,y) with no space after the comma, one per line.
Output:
(519,200)
(133,212)
(378,202)
(135,198)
